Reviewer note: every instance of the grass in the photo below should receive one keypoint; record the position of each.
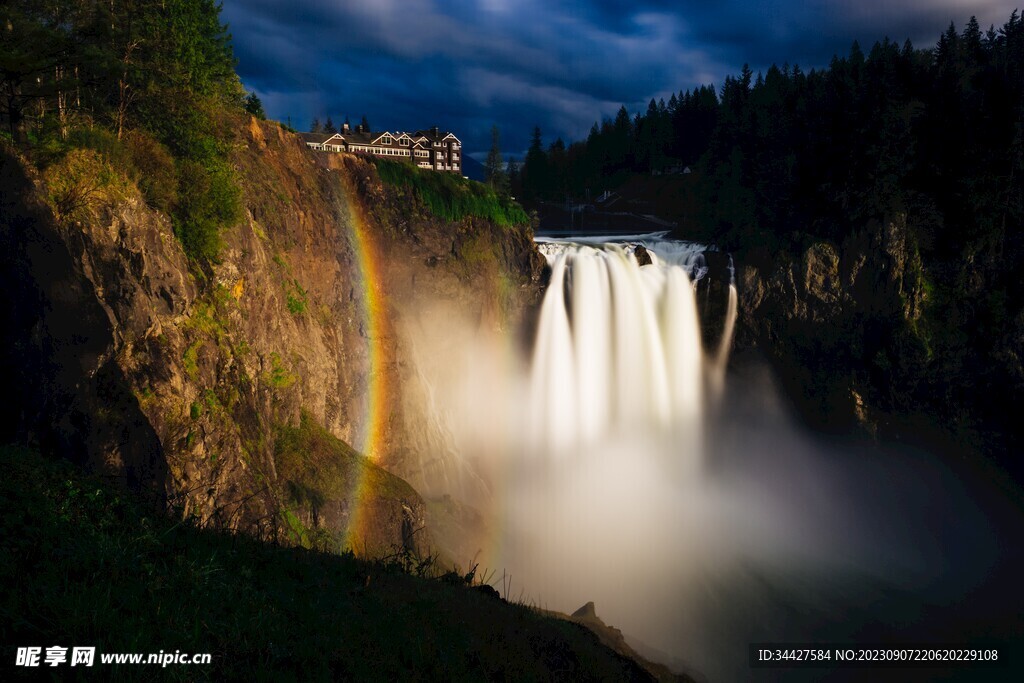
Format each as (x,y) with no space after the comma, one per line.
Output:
(316,468)
(86,564)
(451,197)
(296,297)
(280,377)
(324,465)
(190,359)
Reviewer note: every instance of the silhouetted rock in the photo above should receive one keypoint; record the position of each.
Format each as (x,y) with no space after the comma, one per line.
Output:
(489,591)
(585,612)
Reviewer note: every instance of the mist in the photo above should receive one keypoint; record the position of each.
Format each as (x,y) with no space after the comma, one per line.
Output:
(616,461)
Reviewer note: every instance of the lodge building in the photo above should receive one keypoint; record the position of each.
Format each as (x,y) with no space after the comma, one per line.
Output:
(431,149)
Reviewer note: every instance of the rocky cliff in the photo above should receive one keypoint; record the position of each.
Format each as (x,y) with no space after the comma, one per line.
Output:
(865,337)
(832,315)
(245,392)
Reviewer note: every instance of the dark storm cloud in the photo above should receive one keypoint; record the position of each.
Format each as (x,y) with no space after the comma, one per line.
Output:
(465,64)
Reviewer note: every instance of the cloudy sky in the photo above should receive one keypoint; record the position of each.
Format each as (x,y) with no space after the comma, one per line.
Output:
(560,64)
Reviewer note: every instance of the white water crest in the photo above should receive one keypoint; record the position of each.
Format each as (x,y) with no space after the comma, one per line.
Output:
(618,346)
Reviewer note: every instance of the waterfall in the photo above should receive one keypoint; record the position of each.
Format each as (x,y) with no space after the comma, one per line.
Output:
(603,484)
(618,345)
(717,371)
(609,464)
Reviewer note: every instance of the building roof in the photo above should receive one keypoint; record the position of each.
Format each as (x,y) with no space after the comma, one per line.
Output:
(435,135)
(370,138)
(431,134)
(317,138)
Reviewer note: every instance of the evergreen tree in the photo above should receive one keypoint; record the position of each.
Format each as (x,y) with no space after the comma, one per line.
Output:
(512,172)
(254,106)
(329,127)
(535,168)
(494,172)
(558,170)
(32,47)
(315,126)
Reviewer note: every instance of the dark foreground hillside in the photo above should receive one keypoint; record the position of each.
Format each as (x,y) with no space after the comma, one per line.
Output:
(83,564)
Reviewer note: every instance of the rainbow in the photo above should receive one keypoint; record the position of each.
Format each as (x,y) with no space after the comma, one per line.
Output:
(370,440)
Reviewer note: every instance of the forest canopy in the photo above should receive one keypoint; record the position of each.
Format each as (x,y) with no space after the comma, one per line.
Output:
(145,83)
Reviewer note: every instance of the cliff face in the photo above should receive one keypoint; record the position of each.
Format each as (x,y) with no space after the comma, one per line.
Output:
(830,315)
(861,339)
(222,391)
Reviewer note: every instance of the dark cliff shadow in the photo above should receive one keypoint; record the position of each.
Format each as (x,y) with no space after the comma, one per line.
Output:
(66,394)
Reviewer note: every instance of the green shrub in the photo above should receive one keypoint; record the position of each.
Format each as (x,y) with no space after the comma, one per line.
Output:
(297,298)
(103,141)
(450,196)
(154,167)
(196,186)
(137,156)
(280,377)
(209,200)
(196,132)
(80,183)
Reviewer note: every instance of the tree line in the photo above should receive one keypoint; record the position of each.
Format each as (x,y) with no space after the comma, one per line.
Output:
(937,131)
(144,82)
(670,135)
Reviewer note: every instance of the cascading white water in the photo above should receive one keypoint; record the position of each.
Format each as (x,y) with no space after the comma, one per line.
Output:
(618,345)
(602,480)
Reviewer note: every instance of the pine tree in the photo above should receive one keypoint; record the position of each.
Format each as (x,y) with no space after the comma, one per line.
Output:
(745,77)
(558,169)
(494,173)
(512,171)
(535,168)
(329,127)
(315,127)
(254,106)
(32,47)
